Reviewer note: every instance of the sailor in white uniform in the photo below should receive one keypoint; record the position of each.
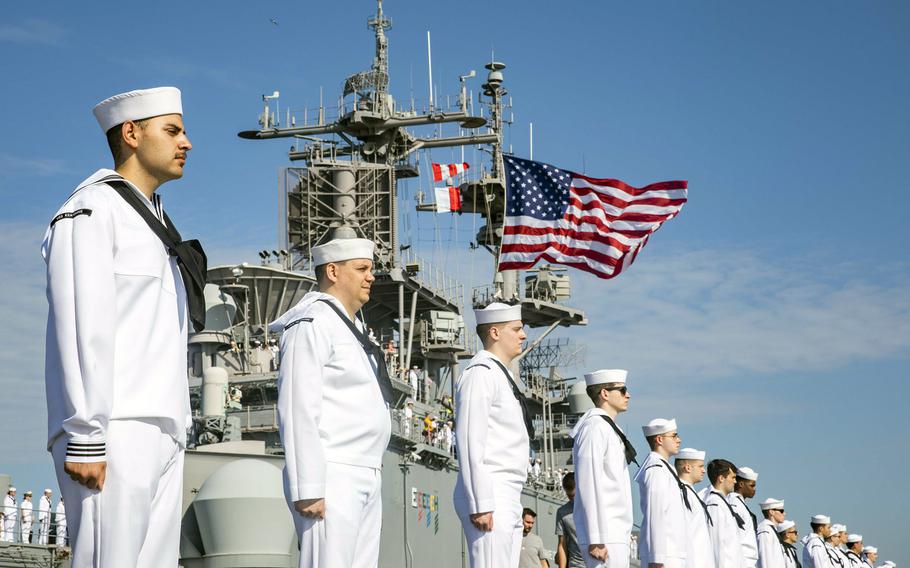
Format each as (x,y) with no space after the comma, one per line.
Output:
(10,515)
(744,489)
(854,550)
(870,556)
(690,466)
(770,552)
(60,523)
(25,517)
(787,535)
(44,516)
(333,412)
(492,433)
(833,542)
(664,500)
(116,357)
(727,524)
(815,553)
(601,454)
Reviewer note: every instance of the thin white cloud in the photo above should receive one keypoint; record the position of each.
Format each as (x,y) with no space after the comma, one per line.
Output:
(32,32)
(727,314)
(16,165)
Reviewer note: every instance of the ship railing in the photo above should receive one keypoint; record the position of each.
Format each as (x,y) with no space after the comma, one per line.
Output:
(433,278)
(413,431)
(544,387)
(258,417)
(31,533)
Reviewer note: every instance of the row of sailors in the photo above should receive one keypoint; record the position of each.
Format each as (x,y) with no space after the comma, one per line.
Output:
(22,514)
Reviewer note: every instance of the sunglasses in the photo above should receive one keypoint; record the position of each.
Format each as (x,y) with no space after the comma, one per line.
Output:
(622,390)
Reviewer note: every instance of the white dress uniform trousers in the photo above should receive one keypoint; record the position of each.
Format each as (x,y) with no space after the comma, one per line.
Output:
(335,427)
(25,521)
(770,551)
(603,497)
(493,450)
(60,523)
(728,550)
(44,519)
(700,553)
(663,524)
(116,376)
(10,518)
(747,535)
(815,553)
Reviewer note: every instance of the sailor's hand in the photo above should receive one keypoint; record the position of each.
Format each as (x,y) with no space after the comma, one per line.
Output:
(311,508)
(598,551)
(483,521)
(89,474)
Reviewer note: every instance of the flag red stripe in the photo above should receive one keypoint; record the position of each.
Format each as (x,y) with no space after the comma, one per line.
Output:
(565,249)
(454,199)
(626,216)
(617,202)
(568,233)
(632,190)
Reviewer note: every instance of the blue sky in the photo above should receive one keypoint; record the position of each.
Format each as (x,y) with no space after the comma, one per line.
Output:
(771,317)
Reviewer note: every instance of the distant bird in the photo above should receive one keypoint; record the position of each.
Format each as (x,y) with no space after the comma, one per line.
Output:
(274,21)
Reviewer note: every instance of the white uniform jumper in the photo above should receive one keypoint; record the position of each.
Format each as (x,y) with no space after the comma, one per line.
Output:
(854,560)
(816,554)
(60,522)
(770,551)
(335,426)
(493,449)
(603,497)
(25,516)
(44,518)
(10,518)
(747,535)
(663,524)
(790,556)
(700,553)
(116,376)
(725,532)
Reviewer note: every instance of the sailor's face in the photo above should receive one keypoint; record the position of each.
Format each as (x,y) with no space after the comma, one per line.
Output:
(728,481)
(356,277)
(698,471)
(747,488)
(791,535)
(670,442)
(512,335)
(618,398)
(163,146)
(777,516)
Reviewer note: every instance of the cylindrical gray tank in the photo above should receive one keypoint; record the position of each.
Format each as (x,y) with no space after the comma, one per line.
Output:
(214,391)
(579,401)
(242,518)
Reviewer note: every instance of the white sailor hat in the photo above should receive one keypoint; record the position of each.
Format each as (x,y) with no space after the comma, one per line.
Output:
(690,454)
(137,105)
(659,426)
(497,312)
(836,528)
(772,504)
(606,376)
(854,538)
(784,526)
(47,490)
(821,520)
(747,473)
(870,550)
(339,250)
(27,493)
(11,490)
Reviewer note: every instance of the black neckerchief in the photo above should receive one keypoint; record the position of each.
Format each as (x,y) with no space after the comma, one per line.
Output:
(832,556)
(529,425)
(790,550)
(739,520)
(680,484)
(374,355)
(751,514)
(628,448)
(191,258)
(708,518)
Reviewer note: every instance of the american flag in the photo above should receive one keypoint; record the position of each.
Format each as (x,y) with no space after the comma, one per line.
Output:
(596,225)
(448,171)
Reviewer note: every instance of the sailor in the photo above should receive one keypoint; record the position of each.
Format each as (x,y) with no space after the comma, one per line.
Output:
(854,550)
(408,418)
(25,516)
(815,553)
(60,522)
(10,515)
(568,553)
(333,398)
(727,524)
(122,288)
(770,552)
(744,489)
(664,499)
(44,516)
(413,380)
(492,433)
(787,535)
(870,556)
(601,454)
(690,467)
(833,542)
(448,437)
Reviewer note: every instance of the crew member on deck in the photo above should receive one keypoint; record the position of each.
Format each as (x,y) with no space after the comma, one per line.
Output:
(333,412)
(601,454)
(10,516)
(44,516)
(854,550)
(664,500)
(787,533)
(770,552)
(727,524)
(690,466)
(492,433)
(122,289)
(815,553)
(744,489)
(870,556)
